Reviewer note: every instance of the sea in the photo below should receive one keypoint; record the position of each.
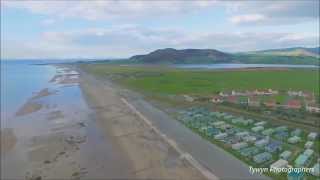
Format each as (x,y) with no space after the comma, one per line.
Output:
(19,80)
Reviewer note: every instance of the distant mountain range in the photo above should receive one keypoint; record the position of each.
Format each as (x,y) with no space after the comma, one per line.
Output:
(298,55)
(296,51)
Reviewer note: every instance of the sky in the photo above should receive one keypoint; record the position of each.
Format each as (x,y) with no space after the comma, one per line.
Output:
(119,29)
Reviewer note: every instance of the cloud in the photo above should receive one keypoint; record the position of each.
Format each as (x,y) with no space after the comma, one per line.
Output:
(128,40)
(111,9)
(248,18)
(274,12)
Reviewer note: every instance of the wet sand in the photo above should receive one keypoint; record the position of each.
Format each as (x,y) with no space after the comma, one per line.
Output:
(8,140)
(54,135)
(150,155)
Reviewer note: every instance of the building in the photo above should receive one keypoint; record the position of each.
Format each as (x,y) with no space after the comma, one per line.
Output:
(249,139)
(281,128)
(308,144)
(293,104)
(220,136)
(254,101)
(279,164)
(283,135)
(262,157)
(257,128)
(270,103)
(296,132)
(313,108)
(217,99)
(294,139)
(273,147)
(316,169)
(262,142)
(303,158)
(240,145)
(242,134)
(250,151)
(268,132)
(261,123)
(285,155)
(218,123)
(312,136)
(232,99)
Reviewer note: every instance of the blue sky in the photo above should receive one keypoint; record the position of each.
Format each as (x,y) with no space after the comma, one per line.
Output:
(103,29)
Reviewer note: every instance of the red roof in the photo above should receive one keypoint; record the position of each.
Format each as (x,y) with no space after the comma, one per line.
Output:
(294,103)
(232,99)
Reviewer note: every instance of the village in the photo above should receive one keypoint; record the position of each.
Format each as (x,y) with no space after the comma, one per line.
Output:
(273,99)
(255,142)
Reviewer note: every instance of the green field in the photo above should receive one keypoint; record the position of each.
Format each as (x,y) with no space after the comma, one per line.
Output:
(164,80)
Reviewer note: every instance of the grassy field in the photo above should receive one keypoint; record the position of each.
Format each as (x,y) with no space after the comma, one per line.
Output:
(206,82)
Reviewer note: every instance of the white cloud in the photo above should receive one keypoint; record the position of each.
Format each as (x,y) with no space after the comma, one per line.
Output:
(111,9)
(125,41)
(275,12)
(248,18)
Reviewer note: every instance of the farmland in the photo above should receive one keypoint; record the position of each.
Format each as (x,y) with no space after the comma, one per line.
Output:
(206,82)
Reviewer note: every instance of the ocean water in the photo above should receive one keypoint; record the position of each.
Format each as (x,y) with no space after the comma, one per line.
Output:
(19,80)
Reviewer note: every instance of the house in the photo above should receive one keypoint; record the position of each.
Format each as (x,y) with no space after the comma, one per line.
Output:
(220,136)
(253,101)
(270,103)
(282,135)
(308,145)
(262,142)
(281,163)
(262,157)
(313,108)
(285,155)
(232,99)
(316,169)
(273,147)
(257,128)
(296,132)
(312,136)
(281,128)
(294,139)
(243,100)
(242,134)
(250,151)
(268,132)
(249,138)
(218,123)
(293,104)
(240,145)
(261,123)
(223,94)
(188,98)
(217,99)
(303,158)
(297,93)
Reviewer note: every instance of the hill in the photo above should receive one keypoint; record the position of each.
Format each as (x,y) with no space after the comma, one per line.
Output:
(212,56)
(184,56)
(296,51)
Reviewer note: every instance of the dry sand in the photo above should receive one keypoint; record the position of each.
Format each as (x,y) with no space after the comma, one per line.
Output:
(151,156)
